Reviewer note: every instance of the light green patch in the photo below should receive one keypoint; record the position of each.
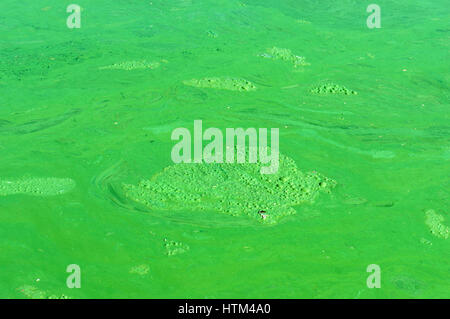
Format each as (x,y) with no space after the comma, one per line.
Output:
(301,21)
(331,88)
(382,154)
(434,222)
(234,189)
(354,200)
(285,55)
(131,65)
(47,186)
(426,242)
(223,83)
(212,34)
(174,247)
(140,270)
(32,292)
(35,293)
(58,297)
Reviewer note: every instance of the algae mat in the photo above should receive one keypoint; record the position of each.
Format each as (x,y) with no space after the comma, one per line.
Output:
(235,189)
(86,176)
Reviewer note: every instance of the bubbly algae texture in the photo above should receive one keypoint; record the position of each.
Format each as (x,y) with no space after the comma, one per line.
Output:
(175,247)
(47,186)
(140,270)
(331,88)
(90,105)
(131,65)
(285,55)
(235,189)
(223,83)
(35,293)
(434,222)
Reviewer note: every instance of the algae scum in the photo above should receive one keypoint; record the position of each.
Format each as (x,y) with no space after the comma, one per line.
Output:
(226,83)
(86,175)
(285,55)
(235,189)
(36,186)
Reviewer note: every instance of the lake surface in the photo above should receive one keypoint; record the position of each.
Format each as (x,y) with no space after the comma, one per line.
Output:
(87,110)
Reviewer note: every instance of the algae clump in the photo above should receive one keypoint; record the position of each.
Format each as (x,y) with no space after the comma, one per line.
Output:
(234,189)
(331,88)
(223,83)
(285,55)
(35,293)
(434,222)
(174,247)
(131,65)
(140,270)
(48,186)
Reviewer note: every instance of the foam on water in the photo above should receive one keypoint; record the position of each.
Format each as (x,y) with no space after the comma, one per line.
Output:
(46,186)
(235,189)
(223,83)
(131,65)
(434,222)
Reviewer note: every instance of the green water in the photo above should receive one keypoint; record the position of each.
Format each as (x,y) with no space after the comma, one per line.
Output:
(94,107)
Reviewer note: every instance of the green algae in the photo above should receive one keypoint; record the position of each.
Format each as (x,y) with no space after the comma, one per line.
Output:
(7,128)
(223,83)
(408,284)
(46,66)
(131,65)
(285,55)
(434,222)
(234,189)
(212,34)
(35,293)
(301,21)
(426,242)
(46,186)
(331,88)
(141,270)
(174,247)
(17,64)
(376,154)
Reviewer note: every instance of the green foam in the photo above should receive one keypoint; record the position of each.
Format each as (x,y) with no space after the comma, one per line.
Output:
(141,270)
(131,65)
(175,247)
(35,293)
(434,222)
(331,88)
(223,83)
(285,55)
(234,189)
(48,186)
